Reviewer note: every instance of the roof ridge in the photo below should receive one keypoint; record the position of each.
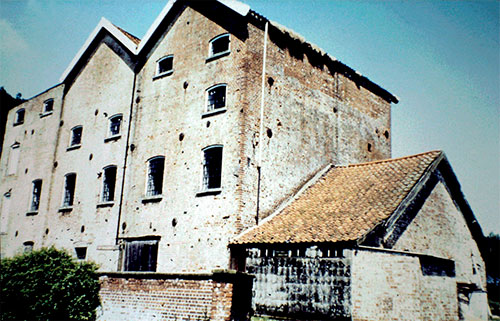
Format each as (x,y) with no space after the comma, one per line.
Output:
(135,39)
(388,160)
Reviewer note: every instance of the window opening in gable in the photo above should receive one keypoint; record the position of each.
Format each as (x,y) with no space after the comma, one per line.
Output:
(216,97)
(69,190)
(108,186)
(81,253)
(19,117)
(212,167)
(76,136)
(15,150)
(115,125)
(219,45)
(165,65)
(141,255)
(35,198)
(156,167)
(48,105)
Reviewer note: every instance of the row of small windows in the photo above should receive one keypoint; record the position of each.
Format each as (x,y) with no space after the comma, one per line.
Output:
(212,170)
(113,131)
(48,108)
(218,46)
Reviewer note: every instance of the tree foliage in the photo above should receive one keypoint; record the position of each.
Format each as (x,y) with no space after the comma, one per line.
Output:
(48,284)
(491,253)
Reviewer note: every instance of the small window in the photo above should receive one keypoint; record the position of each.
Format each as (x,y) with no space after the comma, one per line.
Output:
(48,105)
(69,190)
(28,246)
(141,255)
(81,253)
(35,198)
(219,45)
(76,136)
(15,150)
(115,123)
(155,176)
(108,186)
(19,117)
(216,97)
(165,65)
(212,167)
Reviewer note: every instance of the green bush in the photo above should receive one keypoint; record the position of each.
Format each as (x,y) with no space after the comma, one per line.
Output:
(48,285)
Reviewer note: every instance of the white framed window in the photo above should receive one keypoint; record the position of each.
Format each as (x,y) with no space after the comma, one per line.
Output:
(19,119)
(212,168)
(76,136)
(69,189)
(115,124)
(141,255)
(15,150)
(28,246)
(109,184)
(35,196)
(48,106)
(216,98)
(154,185)
(165,66)
(219,46)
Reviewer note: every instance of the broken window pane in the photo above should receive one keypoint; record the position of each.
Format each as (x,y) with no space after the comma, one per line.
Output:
(114,125)
(69,190)
(35,199)
(141,255)
(155,176)
(216,97)
(76,136)
(108,188)
(219,45)
(212,167)
(165,64)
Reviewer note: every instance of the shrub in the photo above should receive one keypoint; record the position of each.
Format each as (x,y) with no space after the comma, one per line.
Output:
(48,284)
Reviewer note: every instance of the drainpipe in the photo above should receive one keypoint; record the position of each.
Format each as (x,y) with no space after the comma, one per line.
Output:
(261,130)
(120,204)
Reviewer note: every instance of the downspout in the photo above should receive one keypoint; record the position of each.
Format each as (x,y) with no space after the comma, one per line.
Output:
(120,204)
(261,130)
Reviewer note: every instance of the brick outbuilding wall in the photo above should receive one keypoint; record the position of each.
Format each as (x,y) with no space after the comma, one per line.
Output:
(150,296)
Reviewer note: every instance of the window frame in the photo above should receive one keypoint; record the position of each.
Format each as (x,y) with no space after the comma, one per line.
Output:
(28,246)
(205,175)
(72,145)
(108,200)
(152,242)
(211,54)
(68,201)
(20,117)
(46,103)
(208,112)
(158,73)
(150,195)
(13,159)
(110,136)
(36,196)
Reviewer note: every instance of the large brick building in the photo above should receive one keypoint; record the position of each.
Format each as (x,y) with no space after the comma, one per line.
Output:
(214,152)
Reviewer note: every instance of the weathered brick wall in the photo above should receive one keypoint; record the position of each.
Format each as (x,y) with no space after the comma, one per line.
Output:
(300,283)
(390,286)
(168,297)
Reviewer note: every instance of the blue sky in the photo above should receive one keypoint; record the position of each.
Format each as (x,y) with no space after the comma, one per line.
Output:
(442,59)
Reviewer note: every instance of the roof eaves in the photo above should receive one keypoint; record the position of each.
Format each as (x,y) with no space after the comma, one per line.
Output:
(103,24)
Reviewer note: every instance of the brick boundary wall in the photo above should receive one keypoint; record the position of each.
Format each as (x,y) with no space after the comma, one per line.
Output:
(224,295)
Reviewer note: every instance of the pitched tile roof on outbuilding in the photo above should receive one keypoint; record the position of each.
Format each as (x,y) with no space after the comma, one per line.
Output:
(345,204)
(129,35)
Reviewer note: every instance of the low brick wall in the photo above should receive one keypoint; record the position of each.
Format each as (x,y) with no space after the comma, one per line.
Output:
(155,296)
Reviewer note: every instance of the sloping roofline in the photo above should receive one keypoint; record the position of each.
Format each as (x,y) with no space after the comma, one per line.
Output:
(137,47)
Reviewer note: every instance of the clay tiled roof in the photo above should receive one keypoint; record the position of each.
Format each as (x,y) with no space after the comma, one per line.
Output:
(130,36)
(345,204)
